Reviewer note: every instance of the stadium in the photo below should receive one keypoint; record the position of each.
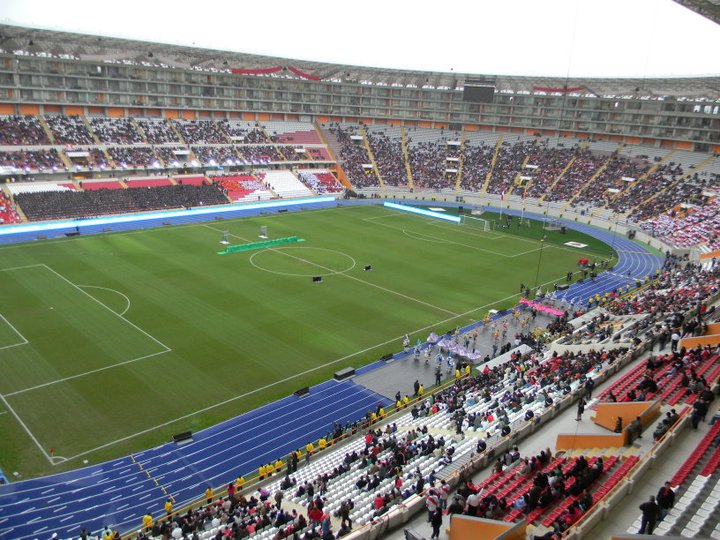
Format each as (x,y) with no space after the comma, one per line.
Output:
(249,296)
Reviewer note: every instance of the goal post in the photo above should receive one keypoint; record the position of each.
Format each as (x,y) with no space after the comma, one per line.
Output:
(475,222)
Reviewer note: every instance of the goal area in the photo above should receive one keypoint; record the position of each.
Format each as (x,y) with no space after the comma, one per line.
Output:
(475,222)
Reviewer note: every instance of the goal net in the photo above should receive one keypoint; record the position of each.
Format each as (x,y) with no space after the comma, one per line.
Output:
(475,222)
(550,224)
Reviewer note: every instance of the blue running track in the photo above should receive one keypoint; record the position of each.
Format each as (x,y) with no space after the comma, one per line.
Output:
(118,493)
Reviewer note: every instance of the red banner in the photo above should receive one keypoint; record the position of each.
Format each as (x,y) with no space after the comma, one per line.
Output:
(563,90)
(259,71)
(304,75)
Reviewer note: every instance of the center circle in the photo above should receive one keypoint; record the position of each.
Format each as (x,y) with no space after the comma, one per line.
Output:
(302,261)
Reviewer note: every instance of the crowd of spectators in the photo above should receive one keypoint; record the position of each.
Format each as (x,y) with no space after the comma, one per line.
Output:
(638,192)
(583,168)
(689,191)
(98,159)
(317,154)
(8,213)
(389,158)
(45,205)
(216,155)
(679,286)
(551,162)
(428,162)
(170,157)
(33,160)
(353,156)
(260,154)
(133,157)
(250,134)
(597,194)
(238,186)
(476,164)
(69,129)
(115,130)
(509,165)
(689,227)
(201,132)
(320,182)
(22,130)
(158,131)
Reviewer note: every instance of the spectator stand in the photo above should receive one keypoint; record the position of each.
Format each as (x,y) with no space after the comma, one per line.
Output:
(28,162)
(8,211)
(285,184)
(200,132)
(242,187)
(386,152)
(321,181)
(348,143)
(134,157)
(70,130)
(109,197)
(157,131)
(23,131)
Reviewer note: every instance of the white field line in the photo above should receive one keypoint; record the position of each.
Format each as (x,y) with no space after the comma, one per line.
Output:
(24,339)
(104,368)
(27,429)
(127,300)
(110,310)
(19,267)
(391,291)
(85,373)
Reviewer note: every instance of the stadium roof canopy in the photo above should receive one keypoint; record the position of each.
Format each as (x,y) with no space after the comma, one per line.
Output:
(707,8)
(68,45)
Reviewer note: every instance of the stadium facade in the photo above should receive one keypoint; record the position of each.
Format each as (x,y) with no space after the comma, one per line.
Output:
(48,72)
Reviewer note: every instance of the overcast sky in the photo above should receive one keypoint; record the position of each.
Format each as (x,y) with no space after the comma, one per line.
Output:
(581,38)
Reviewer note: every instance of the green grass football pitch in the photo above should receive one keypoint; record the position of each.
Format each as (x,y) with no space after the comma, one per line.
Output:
(112,343)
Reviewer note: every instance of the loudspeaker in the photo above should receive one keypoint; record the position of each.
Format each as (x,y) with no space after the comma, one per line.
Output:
(182,438)
(563,287)
(387,357)
(304,391)
(563,229)
(460,210)
(317,279)
(368,267)
(282,210)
